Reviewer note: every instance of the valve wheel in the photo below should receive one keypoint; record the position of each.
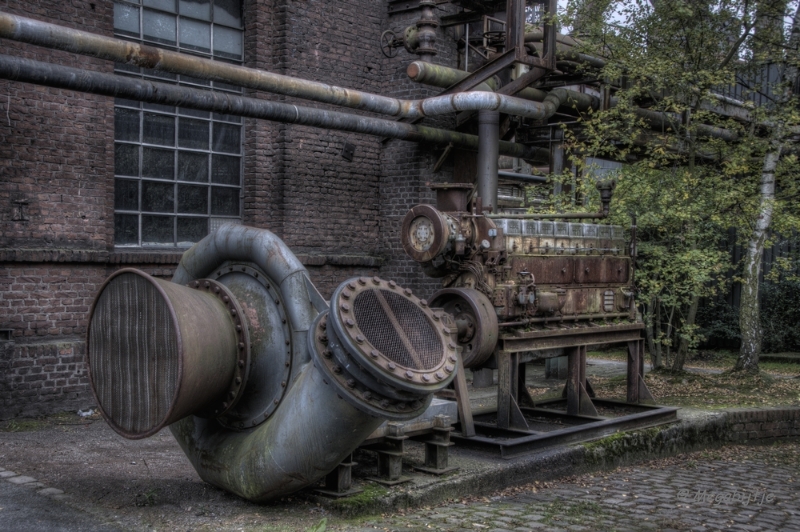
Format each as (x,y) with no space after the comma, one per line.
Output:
(389,43)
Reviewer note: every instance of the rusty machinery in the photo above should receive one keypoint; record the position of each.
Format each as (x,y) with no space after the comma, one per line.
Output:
(265,386)
(521,287)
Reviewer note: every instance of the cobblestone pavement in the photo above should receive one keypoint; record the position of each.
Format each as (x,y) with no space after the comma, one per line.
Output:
(735,488)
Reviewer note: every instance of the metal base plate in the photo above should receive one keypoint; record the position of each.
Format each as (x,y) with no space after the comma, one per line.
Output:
(337,494)
(514,442)
(432,471)
(384,482)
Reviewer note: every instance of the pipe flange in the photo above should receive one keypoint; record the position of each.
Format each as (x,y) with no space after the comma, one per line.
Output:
(393,334)
(242,369)
(425,233)
(262,404)
(352,390)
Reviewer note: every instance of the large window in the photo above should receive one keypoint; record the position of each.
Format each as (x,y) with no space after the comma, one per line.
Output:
(178,172)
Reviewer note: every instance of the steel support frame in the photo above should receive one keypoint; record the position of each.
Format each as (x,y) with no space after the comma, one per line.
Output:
(514,401)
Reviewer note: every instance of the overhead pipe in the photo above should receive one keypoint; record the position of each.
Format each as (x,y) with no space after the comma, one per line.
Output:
(26,70)
(443,77)
(265,387)
(39,33)
(525,178)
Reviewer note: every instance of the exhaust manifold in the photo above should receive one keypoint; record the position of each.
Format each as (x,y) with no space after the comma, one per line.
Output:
(265,386)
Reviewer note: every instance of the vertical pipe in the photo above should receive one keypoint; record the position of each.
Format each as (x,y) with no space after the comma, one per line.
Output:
(488,139)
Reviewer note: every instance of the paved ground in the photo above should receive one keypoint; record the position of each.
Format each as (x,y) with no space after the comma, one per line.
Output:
(738,488)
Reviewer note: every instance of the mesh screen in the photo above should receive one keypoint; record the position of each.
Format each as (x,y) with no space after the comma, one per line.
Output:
(415,345)
(133,354)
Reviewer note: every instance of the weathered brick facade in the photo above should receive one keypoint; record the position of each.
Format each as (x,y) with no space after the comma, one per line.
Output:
(341,217)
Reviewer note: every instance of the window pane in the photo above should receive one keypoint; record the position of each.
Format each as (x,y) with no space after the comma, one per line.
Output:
(159,107)
(126,20)
(126,195)
(192,199)
(126,103)
(196,8)
(158,129)
(192,166)
(195,35)
(126,124)
(228,12)
(193,112)
(126,159)
(164,5)
(158,74)
(158,197)
(228,118)
(227,42)
(225,170)
(225,201)
(191,230)
(156,230)
(226,138)
(158,163)
(193,133)
(126,229)
(159,27)
(194,81)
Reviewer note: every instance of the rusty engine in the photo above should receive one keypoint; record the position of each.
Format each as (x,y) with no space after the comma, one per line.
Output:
(502,271)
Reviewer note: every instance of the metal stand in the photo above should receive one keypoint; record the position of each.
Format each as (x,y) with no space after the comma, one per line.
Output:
(390,456)
(436,448)
(339,482)
(576,413)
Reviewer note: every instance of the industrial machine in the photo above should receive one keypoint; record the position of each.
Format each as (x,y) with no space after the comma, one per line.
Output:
(266,386)
(526,286)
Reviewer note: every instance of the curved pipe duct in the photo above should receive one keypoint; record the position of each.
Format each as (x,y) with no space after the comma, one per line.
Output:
(265,388)
(53,36)
(50,75)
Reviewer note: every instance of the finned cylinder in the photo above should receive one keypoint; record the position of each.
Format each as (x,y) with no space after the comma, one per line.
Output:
(158,352)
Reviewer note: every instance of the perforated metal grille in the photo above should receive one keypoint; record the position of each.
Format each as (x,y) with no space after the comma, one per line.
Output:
(398,328)
(133,354)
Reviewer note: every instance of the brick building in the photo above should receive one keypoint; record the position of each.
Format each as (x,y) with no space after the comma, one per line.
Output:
(89,184)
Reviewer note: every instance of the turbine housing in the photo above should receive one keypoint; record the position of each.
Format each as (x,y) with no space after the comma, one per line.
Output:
(264,386)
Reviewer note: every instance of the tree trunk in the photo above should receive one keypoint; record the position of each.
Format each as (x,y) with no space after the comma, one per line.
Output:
(683,346)
(655,355)
(749,315)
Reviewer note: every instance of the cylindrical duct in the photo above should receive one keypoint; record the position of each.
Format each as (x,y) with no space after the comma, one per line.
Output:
(159,351)
(488,136)
(318,381)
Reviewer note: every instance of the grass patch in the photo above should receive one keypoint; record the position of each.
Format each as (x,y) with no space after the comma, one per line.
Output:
(33,424)
(360,502)
(710,391)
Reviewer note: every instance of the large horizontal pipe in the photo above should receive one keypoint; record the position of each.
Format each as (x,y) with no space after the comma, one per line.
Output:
(443,77)
(26,70)
(525,178)
(53,36)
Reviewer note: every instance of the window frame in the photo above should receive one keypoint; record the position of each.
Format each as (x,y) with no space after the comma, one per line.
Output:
(213,120)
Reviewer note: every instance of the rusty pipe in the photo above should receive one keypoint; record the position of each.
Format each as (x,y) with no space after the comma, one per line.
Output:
(488,135)
(443,77)
(53,36)
(39,73)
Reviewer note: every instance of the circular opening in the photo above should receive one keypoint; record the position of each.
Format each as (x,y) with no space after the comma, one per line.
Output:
(134,354)
(398,328)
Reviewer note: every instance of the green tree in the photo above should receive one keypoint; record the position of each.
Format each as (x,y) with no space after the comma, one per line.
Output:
(698,164)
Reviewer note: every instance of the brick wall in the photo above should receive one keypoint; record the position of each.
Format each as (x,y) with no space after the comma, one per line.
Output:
(57,187)
(407,166)
(749,424)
